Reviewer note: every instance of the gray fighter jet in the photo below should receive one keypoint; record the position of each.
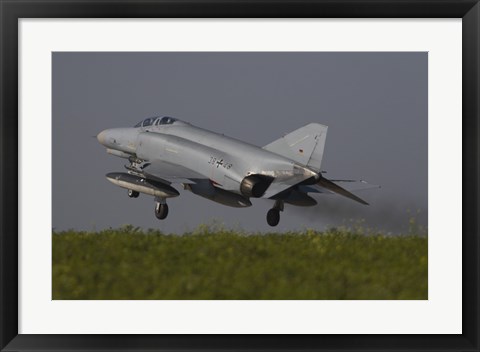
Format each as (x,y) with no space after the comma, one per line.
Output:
(164,150)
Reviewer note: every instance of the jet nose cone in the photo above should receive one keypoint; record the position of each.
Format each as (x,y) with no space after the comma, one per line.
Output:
(102,137)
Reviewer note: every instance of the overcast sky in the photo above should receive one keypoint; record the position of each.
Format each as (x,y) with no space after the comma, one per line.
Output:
(375,105)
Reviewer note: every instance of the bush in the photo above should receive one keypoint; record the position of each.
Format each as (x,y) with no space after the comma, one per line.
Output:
(207,263)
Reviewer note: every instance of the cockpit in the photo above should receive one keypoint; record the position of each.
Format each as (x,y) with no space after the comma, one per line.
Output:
(156,121)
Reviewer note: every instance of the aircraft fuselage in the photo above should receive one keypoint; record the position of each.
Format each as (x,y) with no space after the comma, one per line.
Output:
(164,151)
(225,161)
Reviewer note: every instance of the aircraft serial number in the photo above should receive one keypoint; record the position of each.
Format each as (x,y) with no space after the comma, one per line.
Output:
(219,162)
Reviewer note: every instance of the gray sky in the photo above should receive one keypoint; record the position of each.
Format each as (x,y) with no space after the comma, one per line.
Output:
(375,105)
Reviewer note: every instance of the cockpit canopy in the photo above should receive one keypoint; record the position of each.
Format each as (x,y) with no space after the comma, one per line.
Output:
(156,120)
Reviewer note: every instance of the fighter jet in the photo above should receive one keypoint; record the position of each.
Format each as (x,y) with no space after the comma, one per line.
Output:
(164,151)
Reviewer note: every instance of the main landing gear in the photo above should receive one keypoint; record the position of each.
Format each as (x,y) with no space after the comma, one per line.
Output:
(161,208)
(273,215)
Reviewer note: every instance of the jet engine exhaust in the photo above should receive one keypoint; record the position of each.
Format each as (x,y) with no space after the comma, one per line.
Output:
(255,185)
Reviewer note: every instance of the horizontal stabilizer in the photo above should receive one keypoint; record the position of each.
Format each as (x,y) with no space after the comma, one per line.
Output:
(327,184)
(349,185)
(288,180)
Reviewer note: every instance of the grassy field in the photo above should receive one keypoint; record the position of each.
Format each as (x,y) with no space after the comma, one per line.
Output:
(130,264)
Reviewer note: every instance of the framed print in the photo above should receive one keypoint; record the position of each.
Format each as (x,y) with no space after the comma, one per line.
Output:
(228,104)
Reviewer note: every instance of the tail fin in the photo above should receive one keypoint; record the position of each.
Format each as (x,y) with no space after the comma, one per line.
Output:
(304,145)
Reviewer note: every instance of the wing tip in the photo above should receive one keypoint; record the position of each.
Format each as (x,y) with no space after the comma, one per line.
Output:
(360,200)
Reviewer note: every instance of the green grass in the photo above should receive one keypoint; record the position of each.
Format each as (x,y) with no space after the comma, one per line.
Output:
(222,264)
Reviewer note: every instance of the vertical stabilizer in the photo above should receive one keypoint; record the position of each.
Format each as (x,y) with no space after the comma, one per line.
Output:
(304,146)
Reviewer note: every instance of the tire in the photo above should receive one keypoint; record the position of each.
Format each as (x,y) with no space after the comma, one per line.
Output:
(133,194)
(273,217)
(161,211)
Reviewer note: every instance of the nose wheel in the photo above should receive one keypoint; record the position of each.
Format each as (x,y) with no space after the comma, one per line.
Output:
(133,194)
(161,210)
(273,215)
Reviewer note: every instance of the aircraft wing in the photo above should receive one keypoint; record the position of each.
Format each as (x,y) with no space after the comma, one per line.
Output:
(349,185)
(170,172)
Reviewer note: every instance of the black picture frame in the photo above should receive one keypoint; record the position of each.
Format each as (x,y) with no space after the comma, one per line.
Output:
(12,10)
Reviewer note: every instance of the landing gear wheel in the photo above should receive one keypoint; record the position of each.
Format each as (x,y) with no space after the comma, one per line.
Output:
(273,217)
(161,211)
(133,194)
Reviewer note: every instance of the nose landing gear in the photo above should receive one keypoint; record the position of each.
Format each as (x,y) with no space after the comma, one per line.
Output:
(273,215)
(133,194)
(161,208)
